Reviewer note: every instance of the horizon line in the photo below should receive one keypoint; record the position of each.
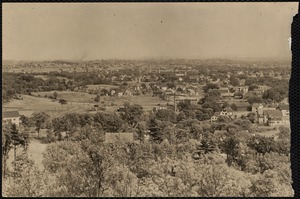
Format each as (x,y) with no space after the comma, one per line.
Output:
(158,59)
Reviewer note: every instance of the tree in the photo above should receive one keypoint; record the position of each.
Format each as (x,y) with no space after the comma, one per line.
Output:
(55,95)
(261,144)
(109,122)
(62,101)
(284,132)
(50,136)
(29,181)
(265,185)
(230,148)
(97,98)
(155,131)
(233,106)
(255,99)
(234,81)
(223,119)
(132,113)
(210,86)
(40,120)
(207,146)
(6,145)
(273,95)
(250,82)
(213,93)
(13,138)
(184,105)
(165,115)
(251,117)
(252,87)
(26,121)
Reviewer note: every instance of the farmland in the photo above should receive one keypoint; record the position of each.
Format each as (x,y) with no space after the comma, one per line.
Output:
(78,102)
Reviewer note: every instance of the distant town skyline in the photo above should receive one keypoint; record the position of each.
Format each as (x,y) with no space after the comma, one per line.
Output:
(91,31)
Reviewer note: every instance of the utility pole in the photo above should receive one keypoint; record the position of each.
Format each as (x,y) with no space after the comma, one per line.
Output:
(175,106)
(15,164)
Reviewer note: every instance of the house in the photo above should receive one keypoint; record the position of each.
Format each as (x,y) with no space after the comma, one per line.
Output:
(115,137)
(191,91)
(11,116)
(157,93)
(242,106)
(273,117)
(285,101)
(242,82)
(257,91)
(112,92)
(263,88)
(224,112)
(256,107)
(223,90)
(164,88)
(128,92)
(159,107)
(215,117)
(285,110)
(242,89)
(193,100)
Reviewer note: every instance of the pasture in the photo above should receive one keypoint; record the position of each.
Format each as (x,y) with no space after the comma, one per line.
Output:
(31,104)
(77,102)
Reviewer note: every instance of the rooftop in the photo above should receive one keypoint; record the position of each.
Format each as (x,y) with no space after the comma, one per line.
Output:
(284,107)
(275,113)
(256,105)
(217,114)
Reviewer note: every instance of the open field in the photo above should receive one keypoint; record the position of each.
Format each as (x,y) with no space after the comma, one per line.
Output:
(101,86)
(78,102)
(147,101)
(31,104)
(69,96)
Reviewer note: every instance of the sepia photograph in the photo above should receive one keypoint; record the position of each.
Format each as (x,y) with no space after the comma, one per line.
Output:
(146,99)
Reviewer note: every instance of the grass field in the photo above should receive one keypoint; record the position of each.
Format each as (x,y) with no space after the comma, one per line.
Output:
(147,101)
(69,96)
(101,86)
(77,102)
(31,104)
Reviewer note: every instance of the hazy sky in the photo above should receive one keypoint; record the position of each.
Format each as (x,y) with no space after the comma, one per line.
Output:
(44,31)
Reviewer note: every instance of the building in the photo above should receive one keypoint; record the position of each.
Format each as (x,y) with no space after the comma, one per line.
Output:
(157,93)
(224,112)
(285,110)
(273,117)
(256,107)
(11,116)
(242,82)
(241,89)
(242,106)
(215,117)
(193,100)
(223,90)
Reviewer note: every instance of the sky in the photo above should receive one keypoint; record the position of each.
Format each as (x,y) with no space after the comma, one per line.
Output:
(88,31)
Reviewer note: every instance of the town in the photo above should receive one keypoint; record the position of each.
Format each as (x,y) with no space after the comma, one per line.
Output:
(173,112)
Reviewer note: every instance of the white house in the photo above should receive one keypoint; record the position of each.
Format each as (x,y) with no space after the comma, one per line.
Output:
(11,116)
